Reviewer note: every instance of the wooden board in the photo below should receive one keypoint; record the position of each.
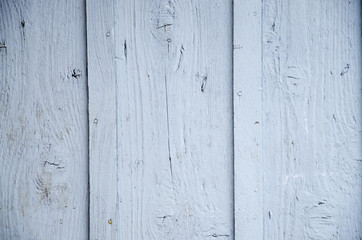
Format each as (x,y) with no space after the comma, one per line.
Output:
(171,174)
(312,119)
(43,120)
(103,160)
(248,122)
(206,119)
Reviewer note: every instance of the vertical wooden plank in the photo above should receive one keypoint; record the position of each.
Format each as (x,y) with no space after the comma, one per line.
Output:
(173,70)
(157,91)
(43,120)
(248,192)
(102,120)
(312,138)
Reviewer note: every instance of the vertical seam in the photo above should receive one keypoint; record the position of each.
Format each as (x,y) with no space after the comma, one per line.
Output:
(88,117)
(233,119)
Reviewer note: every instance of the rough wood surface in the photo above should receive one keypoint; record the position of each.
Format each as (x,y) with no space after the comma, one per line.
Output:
(248,190)
(312,119)
(185,99)
(43,120)
(103,161)
(174,119)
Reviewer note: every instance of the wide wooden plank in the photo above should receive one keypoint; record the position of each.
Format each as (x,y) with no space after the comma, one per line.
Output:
(312,119)
(103,178)
(248,122)
(43,120)
(175,119)
(172,91)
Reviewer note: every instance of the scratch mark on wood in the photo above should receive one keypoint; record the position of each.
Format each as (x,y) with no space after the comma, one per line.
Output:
(164,217)
(220,235)
(203,81)
(345,70)
(293,77)
(203,85)
(164,26)
(50,163)
(168,129)
(125,49)
(181,57)
(76,73)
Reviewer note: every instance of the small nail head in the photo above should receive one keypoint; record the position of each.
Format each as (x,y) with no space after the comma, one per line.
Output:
(239,93)
(95,120)
(108,34)
(110,221)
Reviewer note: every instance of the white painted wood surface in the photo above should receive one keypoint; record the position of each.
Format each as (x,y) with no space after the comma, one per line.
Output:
(312,119)
(205,120)
(103,160)
(173,177)
(247,65)
(43,120)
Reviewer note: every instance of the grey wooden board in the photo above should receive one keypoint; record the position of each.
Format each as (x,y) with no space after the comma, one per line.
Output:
(168,126)
(171,177)
(247,65)
(312,119)
(43,120)
(103,161)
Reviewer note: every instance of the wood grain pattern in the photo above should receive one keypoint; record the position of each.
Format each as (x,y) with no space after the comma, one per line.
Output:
(103,160)
(185,99)
(174,121)
(247,65)
(312,119)
(43,120)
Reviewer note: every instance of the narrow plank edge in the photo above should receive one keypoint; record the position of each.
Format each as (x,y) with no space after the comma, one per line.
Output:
(247,104)
(103,182)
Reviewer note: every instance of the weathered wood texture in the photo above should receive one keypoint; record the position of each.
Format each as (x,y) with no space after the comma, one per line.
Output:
(103,160)
(171,174)
(43,120)
(312,119)
(185,98)
(247,65)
